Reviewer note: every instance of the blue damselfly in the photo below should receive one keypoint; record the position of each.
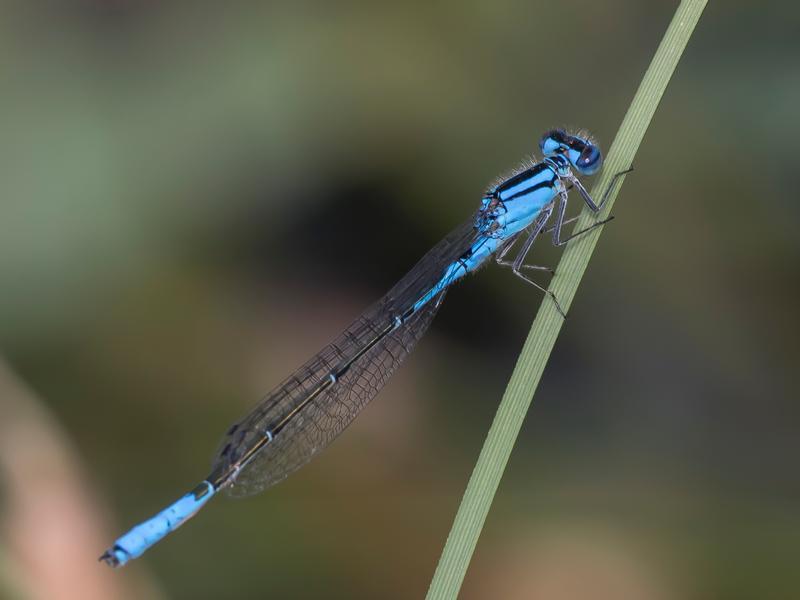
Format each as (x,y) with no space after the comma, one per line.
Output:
(304,413)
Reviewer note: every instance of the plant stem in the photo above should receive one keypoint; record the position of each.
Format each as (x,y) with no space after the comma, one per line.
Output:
(517,398)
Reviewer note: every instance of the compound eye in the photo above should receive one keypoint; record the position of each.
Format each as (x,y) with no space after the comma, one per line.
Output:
(590,160)
(553,142)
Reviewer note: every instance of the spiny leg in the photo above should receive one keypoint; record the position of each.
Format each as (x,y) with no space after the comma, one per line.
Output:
(560,222)
(499,258)
(612,184)
(547,230)
(587,197)
(517,265)
(562,209)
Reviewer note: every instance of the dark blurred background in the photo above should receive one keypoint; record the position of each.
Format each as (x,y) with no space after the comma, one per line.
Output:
(196,196)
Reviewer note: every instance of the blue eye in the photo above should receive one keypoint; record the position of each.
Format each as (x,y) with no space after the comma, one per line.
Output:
(590,160)
(553,141)
(581,152)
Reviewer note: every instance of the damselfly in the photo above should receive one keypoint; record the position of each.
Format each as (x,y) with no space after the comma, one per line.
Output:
(317,402)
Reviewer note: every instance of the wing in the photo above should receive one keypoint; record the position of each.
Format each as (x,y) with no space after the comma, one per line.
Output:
(303,414)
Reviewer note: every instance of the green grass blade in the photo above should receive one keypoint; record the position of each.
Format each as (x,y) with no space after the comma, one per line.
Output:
(500,440)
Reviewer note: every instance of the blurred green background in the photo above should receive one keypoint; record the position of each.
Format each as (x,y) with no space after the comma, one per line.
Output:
(196,196)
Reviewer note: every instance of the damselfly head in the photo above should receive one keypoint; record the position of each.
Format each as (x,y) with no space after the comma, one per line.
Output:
(579,149)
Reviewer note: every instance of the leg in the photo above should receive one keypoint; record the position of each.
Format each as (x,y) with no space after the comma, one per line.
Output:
(588,198)
(567,222)
(499,259)
(560,222)
(577,233)
(613,183)
(562,209)
(585,194)
(517,265)
(504,250)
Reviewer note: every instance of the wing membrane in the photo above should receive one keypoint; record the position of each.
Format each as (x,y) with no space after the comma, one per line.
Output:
(305,419)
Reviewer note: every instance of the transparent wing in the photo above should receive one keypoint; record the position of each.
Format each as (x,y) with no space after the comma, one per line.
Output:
(322,420)
(304,427)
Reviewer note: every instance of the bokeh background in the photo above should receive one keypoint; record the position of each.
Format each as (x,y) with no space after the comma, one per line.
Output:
(196,196)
